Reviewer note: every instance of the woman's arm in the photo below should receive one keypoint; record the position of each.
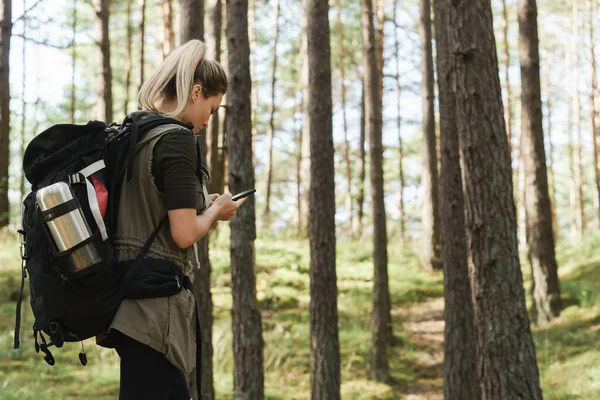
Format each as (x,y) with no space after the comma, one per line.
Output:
(187,227)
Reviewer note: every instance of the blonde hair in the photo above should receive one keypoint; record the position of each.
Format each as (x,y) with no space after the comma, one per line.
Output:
(183,68)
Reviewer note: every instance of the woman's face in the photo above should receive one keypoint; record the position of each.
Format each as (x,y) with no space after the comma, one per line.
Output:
(200,108)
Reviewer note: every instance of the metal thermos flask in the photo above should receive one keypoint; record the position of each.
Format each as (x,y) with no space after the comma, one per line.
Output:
(70,229)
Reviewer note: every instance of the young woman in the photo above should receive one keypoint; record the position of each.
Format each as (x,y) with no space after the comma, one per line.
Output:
(156,337)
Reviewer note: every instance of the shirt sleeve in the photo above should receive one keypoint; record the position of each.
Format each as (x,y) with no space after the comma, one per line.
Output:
(174,169)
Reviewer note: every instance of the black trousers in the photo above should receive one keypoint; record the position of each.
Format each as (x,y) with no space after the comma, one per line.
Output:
(146,374)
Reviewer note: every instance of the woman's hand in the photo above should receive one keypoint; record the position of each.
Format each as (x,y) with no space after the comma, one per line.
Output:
(212,197)
(226,208)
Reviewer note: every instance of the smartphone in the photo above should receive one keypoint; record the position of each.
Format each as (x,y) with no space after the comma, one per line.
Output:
(243,194)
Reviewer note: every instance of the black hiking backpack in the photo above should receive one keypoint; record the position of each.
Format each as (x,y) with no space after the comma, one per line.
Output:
(93,159)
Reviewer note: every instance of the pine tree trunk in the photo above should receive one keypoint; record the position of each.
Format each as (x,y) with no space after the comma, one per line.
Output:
(192,20)
(248,375)
(73,60)
(342,55)
(540,237)
(23,102)
(252,38)
(360,197)
(508,107)
(271,126)
(506,364)
(104,73)
(594,119)
(168,32)
(380,318)
(459,329)
(548,130)
(192,27)
(213,157)
(142,41)
(128,58)
(401,217)
(430,252)
(324,342)
(305,169)
(577,168)
(6,25)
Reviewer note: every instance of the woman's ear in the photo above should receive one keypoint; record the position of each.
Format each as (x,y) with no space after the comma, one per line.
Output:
(196,92)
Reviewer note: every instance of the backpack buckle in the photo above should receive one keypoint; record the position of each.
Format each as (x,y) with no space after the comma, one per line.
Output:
(77,177)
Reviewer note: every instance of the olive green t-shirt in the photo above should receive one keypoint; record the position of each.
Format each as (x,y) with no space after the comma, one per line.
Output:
(174,169)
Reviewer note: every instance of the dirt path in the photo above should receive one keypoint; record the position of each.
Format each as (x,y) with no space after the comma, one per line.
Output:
(425,325)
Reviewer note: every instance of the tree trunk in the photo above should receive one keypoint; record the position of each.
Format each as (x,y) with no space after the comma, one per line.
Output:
(401,217)
(142,40)
(380,318)
(104,73)
(506,356)
(6,24)
(508,107)
(594,121)
(192,20)
(551,180)
(324,342)
(214,157)
(540,239)
(360,197)
(252,38)
(73,60)
(192,27)
(168,32)
(305,170)
(299,164)
(576,149)
(23,101)
(248,375)
(459,328)
(430,252)
(271,126)
(340,34)
(128,58)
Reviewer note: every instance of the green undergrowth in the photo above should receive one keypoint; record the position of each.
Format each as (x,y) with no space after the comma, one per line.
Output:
(568,350)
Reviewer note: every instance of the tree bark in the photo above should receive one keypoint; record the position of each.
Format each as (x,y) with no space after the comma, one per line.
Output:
(578,207)
(540,239)
(168,32)
(248,375)
(324,342)
(192,20)
(506,356)
(23,101)
(401,217)
(548,130)
(508,108)
(252,38)
(380,318)
(104,73)
(342,51)
(214,156)
(594,121)
(271,126)
(6,25)
(142,40)
(305,167)
(128,57)
(459,329)
(360,197)
(430,252)
(73,60)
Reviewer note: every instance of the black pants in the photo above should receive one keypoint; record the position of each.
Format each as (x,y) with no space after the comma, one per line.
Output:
(146,374)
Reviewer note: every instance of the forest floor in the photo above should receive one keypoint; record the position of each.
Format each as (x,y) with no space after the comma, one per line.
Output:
(568,349)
